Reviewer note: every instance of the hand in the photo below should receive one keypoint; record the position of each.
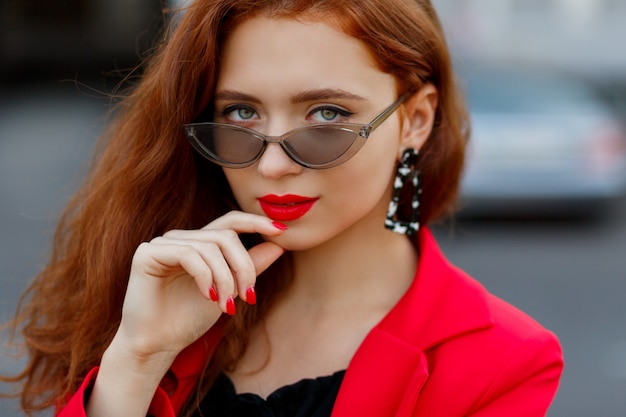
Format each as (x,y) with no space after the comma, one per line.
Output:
(168,303)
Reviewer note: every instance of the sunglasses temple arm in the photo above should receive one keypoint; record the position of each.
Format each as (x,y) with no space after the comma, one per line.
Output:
(387,112)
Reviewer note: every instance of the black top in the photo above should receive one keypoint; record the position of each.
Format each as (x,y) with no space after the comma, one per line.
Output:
(305,398)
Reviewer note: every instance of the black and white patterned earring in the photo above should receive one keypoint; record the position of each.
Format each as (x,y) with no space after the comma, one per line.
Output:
(406,175)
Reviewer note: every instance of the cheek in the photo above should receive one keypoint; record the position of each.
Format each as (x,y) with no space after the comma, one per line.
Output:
(237,180)
(366,183)
(377,169)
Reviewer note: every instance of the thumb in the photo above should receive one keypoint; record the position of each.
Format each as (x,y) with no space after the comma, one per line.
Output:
(264,254)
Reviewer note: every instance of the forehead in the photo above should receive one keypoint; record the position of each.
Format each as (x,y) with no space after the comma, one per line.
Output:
(285,52)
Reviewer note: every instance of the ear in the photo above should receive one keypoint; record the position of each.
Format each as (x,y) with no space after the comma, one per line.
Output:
(418,117)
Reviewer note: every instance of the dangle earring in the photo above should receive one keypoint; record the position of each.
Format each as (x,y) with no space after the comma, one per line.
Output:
(406,175)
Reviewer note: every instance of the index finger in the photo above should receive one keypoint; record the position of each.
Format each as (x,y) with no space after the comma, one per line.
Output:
(242,222)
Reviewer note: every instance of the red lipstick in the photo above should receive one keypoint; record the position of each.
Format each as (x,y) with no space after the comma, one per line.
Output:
(286,207)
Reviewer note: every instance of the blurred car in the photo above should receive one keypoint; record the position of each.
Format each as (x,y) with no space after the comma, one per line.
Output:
(543,144)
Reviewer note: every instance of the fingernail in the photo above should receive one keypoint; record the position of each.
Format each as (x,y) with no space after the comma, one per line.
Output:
(213,294)
(280,226)
(251,296)
(230,306)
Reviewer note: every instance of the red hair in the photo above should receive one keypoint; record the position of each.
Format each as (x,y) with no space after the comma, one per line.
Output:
(147,179)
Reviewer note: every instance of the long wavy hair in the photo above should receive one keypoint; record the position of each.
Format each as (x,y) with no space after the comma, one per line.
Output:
(147,180)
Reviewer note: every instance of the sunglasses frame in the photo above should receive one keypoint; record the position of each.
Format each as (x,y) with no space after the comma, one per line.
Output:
(361,134)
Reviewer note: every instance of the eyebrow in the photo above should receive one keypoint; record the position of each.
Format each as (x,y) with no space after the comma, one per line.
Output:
(302,97)
(235,96)
(324,94)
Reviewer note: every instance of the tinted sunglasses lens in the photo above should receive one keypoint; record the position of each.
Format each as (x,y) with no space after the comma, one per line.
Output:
(319,145)
(227,144)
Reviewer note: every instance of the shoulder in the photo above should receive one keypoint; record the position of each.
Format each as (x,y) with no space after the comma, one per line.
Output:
(479,347)
(444,304)
(510,328)
(513,364)
(482,337)
(477,324)
(513,340)
(451,303)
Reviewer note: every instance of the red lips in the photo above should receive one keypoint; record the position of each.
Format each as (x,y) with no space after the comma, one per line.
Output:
(286,207)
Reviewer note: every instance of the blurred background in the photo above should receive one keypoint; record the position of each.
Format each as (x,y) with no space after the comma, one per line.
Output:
(543,223)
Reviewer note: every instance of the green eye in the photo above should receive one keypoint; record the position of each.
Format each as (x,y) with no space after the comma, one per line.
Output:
(245,113)
(239,113)
(328,114)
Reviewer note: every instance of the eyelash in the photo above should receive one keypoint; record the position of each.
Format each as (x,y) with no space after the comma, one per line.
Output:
(340,112)
(232,108)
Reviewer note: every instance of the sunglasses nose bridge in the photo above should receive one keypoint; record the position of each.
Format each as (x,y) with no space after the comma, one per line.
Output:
(279,140)
(275,159)
(273,139)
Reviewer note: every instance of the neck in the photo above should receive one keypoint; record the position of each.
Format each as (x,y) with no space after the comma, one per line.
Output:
(366,266)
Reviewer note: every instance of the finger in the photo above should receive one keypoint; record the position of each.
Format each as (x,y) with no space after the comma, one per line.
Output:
(223,279)
(167,261)
(245,267)
(222,256)
(265,254)
(230,248)
(246,223)
(262,256)
(208,233)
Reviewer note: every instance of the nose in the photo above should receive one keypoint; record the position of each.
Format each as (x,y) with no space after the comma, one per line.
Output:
(275,163)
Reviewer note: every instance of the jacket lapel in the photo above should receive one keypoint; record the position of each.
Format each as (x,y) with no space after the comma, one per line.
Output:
(389,370)
(381,365)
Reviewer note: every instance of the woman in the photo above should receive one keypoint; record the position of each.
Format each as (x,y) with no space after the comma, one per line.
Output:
(227,255)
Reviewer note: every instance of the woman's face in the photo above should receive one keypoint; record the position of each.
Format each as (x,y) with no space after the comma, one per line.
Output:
(280,74)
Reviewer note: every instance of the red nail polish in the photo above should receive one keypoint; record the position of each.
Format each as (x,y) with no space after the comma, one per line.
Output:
(230,306)
(251,296)
(280,226)
(213,294)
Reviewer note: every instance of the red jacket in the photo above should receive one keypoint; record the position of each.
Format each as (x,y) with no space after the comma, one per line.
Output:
(447,349)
